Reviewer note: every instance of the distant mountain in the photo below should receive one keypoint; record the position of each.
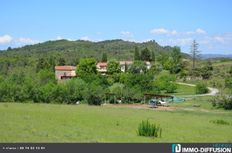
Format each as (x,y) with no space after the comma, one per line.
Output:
(211,56)
(117,49)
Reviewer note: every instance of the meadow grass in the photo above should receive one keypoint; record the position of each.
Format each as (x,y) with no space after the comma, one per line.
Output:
(196,103)
(25,122)
(185,90)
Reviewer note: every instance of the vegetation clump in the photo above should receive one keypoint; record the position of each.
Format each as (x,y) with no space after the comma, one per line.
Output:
(220,122)
(222,101)
(147,129)
(201,88)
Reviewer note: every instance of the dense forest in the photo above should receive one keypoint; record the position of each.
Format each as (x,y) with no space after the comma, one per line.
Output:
(27,73)
(69,52)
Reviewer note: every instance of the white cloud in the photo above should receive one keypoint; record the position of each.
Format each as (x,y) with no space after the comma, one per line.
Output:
(5,39)
(176,41)
(59,38)
(161,31)
(86,38)
(184,41)
(174,32)
(197,31)
(223,39)
(219,39)
(27,41)
(189,32)
(126,34)
(200,31)
(139,41)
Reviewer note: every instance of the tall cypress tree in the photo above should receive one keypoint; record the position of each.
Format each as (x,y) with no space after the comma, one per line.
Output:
(104,57)
(136,54)
(153,56)
(146,55)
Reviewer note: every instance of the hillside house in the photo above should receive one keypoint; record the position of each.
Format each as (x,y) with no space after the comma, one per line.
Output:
(123,65)
(65,72)
(129,63)
(102,67)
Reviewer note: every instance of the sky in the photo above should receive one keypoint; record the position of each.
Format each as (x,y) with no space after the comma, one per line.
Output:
(168,22)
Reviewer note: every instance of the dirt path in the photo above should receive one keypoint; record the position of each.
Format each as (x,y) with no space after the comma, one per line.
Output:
(139,106)
(212,91)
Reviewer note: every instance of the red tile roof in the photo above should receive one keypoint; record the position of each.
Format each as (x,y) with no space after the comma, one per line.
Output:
(65,68)
(102,64)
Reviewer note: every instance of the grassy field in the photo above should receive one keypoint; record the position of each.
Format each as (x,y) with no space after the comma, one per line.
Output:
(185,90)
(25,122)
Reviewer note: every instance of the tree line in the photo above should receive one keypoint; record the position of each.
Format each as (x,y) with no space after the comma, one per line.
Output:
(88,87)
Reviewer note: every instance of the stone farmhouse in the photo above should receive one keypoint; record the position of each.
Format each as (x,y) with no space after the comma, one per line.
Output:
(67,72)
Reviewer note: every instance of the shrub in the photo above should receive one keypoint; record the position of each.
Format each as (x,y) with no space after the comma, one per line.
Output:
(95,94)
(117,89)
(228,82)
(222,102)
(94,100)
(147,129)
(201,88)
(220,122)
(165,82)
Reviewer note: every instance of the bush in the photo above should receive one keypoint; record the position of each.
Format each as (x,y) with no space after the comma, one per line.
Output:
(228,82)
(147,129)
(95,94)
(220,122)
(222,102)
(165,82)
(201,88)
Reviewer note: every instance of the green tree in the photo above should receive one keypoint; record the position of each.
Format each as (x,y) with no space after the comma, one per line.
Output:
(52,62)
(153,56)
(95,94)
(45,76)
(165,60)
(201,88)
(228,82)
(87,66)
(42,63)
(104,57)
(117,89)
(165,82)
(76,89)
(46,93)
(207,70)
(155,69)
(9,48)
(61,61)
(230,71)
(175,60)
(136,54)
(138,67)
(113,67)
(146,55)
